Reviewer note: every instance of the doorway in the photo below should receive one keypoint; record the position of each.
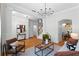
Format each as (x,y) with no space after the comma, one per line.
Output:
(64,28)
(33,28)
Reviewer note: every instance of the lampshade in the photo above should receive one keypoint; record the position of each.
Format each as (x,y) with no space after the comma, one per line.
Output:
(64,24)
(74,35)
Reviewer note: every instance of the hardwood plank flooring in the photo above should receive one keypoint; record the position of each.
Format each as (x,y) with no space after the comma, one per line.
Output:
(34,41)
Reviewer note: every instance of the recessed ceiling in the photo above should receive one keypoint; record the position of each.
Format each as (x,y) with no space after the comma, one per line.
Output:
(57,7)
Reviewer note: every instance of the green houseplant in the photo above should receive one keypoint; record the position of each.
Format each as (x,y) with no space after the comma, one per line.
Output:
(45,38)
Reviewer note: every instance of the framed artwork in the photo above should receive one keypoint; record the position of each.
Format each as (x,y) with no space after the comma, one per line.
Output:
(20,28)
(40,26)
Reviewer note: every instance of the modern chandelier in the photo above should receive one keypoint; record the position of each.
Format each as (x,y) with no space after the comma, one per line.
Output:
(44,12)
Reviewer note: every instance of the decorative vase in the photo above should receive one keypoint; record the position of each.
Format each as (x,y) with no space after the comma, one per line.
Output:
(46,41)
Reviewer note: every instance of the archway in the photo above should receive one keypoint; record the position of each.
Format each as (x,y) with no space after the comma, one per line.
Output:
(64,27)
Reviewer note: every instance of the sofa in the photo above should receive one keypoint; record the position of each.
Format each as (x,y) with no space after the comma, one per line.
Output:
(64,51)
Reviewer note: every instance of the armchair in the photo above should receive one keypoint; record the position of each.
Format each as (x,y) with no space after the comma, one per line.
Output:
(13,46)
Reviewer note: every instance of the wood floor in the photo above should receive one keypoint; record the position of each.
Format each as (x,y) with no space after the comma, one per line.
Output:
(34,41)
(61,43)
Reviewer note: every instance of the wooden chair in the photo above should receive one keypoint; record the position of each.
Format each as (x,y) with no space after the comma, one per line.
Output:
(9,49)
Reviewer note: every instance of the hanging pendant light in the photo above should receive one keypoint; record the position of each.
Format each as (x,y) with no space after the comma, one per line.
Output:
(44,12)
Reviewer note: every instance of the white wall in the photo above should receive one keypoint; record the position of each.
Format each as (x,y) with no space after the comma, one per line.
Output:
(0,28)
(5,22)
(0,32)
(52,21)
(9,21)
(19,18)
(0,22)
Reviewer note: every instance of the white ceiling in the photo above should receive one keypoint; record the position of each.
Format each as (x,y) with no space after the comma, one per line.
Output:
(57,7)
(28,7)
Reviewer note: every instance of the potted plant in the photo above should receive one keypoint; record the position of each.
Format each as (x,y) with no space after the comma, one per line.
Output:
(45,38)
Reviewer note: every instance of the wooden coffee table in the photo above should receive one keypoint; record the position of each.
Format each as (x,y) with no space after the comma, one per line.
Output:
(42,47)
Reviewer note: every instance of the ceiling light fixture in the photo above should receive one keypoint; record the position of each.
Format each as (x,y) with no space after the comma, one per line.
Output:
(13,12)
(44,12)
